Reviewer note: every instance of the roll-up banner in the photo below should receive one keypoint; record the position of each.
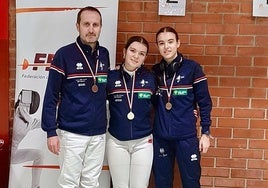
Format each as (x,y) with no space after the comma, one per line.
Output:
(4,95)
(43,26)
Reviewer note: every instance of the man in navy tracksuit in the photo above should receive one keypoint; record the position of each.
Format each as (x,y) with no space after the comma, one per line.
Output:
(182,88)
(74,111)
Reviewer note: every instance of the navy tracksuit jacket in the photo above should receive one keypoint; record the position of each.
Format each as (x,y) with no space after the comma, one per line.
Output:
(69,102)
(145,85)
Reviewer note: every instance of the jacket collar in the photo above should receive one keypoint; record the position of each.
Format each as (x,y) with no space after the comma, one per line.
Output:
(86,48)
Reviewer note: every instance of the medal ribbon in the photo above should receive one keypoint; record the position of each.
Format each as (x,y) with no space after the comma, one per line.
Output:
(97,63)
(130,100)
(169,89)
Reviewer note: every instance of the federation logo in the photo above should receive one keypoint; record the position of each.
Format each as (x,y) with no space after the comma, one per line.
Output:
(40,60)
(143,82)
(101,65)
(179,77)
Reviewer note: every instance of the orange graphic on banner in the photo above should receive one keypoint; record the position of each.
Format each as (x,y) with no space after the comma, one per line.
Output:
(26,64)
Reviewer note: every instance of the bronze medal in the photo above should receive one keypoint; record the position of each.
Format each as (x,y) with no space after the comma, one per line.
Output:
(95,88)
(168,106)
(130,115)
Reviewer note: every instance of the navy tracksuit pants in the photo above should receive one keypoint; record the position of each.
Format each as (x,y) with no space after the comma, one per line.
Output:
(187,155)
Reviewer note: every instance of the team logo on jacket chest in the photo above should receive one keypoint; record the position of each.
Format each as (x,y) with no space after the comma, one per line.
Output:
(79,66)
(117,83)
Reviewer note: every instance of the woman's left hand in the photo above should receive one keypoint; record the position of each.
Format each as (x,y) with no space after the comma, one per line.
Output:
(204,143)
